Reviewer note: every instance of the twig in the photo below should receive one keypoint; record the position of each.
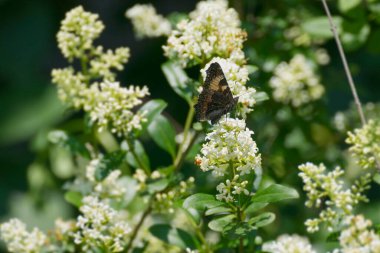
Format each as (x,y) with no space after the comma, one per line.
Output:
(137,228)
(346,69)
(186,151)
(189,120)
(345,64)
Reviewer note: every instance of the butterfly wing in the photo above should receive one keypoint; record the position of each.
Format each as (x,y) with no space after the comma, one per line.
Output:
(216,98)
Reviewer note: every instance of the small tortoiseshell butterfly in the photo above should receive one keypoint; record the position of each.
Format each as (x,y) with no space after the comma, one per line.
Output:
(216,98)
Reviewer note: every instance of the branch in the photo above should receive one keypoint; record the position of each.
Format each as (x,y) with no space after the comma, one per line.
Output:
(138,226)
(345,64)
(346,69)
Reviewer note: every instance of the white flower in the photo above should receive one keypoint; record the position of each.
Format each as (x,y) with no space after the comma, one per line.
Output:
(164,201)
(365,144)
(295,82)
(102,64)
(110,186)
(237,77)
(19,240)
(77,33)
(212,30)
(109,105)
(71,87)
(229,143)
(100,226)
(289,244)
(325,189)
(228,189)
(358,237)
(146,22)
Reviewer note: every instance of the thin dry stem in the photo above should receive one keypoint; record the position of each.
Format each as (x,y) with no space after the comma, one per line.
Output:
(346,69)
(345,64)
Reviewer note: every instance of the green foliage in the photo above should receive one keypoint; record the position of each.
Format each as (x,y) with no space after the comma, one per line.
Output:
(174,236)
(274,193)
(163,133)
(107,148)
(319,27)
(108,163)
(178,79)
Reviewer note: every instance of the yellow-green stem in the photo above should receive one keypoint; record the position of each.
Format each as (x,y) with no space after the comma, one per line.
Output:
(189,120)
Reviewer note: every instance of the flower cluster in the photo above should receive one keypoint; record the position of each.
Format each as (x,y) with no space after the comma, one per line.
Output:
(108,104)
(109,187)
(230,188)
(103,63)
(325,189)
(289,244)
(212,30)
(231,152)
(358,237)
(295,82)
(229,143)
(164,201)
(365,144)
(19,240)
(146,22)
(237,77)
(100,226)
(78,31)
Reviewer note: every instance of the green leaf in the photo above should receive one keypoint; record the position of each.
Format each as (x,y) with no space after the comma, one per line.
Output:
(108,163)
(377,228)
(237,230)
(355,34)
(252,69)
(376,178)
(175,17)
(260,96)
(201,202)
(346,5)
(274,193)
(157,185)
(177,78)
(193,214)
(152,109)
(61,138)
(320,27)
(218,224)
(218,210)
(74,198)
(254,207)
(141,155)
(333,237)
(173,236)
(262,220)
(163,134)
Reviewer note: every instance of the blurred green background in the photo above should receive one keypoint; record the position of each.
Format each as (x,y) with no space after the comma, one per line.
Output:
(29,106)
(28,101)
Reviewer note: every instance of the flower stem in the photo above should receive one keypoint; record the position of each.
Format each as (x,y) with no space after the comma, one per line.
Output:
(239,218)
(138,226)
(347,70)
(181,149)
(345,64)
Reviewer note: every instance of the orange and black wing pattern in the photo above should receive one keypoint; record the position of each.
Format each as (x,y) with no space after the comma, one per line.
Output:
(216,98)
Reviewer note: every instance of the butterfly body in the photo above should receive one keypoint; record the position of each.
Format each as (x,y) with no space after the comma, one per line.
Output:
(216,98)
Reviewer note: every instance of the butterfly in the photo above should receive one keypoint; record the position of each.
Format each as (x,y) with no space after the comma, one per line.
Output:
(216,98)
